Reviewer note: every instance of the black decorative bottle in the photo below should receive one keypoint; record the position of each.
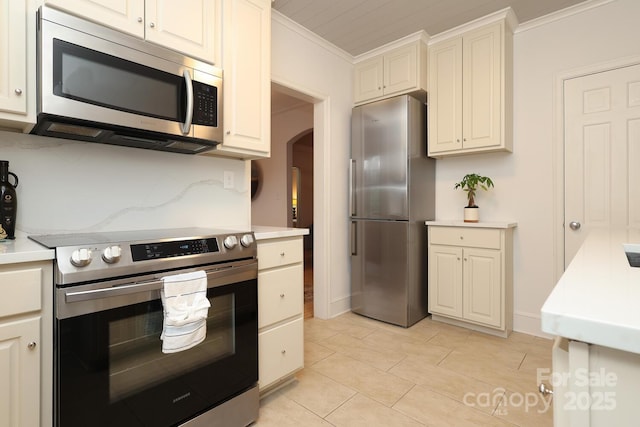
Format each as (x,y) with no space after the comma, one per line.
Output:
(8,202)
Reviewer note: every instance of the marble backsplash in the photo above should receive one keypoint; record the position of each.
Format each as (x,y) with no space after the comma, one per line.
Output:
(70,186)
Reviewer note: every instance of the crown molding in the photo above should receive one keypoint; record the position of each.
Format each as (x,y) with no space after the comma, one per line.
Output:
(505,14)
(417,36)
(309,35)
(562,14)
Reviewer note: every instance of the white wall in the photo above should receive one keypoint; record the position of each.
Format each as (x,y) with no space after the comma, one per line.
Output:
(270,205)
(305,63)
(524,180)
(69,186)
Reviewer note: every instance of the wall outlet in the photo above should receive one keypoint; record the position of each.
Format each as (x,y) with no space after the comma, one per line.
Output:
(229,179)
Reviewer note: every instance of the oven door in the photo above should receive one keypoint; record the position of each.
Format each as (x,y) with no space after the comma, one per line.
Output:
(110,369)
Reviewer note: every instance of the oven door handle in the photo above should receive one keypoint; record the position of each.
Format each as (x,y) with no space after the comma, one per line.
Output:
(215,277)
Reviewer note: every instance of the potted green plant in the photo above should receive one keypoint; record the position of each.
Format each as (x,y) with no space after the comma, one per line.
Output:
(470,183)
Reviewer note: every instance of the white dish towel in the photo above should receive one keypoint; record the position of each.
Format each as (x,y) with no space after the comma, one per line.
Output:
(184,298)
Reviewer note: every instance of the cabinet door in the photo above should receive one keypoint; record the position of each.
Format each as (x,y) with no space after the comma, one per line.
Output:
(126,16)
(445,96)
(445,280)
(400,70)
(482,286)
(367,80)
(247,78)
(482,95)
(187,26)
(20,373)
(13,57)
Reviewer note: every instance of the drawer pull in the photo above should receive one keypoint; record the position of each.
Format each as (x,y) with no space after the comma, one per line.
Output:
(281,253)
(32,345)
(281,295)
(283,352)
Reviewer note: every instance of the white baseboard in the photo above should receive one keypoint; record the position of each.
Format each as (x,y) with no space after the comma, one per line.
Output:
(529,323)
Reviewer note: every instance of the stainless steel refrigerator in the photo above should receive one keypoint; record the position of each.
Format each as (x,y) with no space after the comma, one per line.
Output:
(392,193)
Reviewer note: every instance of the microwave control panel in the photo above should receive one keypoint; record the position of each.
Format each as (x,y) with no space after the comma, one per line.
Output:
(205,104)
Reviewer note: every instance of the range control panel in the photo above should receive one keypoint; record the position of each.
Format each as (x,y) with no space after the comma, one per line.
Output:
(146,251)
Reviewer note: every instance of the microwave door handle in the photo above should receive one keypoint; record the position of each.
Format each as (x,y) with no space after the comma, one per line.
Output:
(186,126)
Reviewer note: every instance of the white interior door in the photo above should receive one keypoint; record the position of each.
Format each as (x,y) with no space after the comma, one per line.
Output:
(602,153)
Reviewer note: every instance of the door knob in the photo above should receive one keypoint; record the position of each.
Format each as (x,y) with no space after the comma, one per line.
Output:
(574,225)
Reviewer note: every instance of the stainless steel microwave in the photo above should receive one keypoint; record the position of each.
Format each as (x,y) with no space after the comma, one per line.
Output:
(97,84)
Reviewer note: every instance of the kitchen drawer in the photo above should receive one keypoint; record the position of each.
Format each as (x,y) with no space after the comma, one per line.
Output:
(463,236)
(20,291)
(276,253)
(281,351)
(280,294)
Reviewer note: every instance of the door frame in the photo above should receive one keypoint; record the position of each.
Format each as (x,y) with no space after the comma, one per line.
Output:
(322,261)
(559,147)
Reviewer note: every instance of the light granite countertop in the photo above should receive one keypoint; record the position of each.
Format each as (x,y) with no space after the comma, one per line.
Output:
(263,232)
(597,298)
(23,249)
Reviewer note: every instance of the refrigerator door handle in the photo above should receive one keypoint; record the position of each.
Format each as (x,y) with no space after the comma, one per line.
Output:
(354,238)
(352,182)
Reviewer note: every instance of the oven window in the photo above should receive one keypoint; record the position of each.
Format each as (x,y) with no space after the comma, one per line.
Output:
(134,361)
(111,369)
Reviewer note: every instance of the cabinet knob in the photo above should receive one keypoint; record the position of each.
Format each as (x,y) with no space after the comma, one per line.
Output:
(228,132)
(284,352)
(152,25)
(31,345)
(465,259)
(458,258)
(281,295)
(139,18)
(464,139)
(544,390)
(458,140)
(281,253)
(18,91)
(461,237)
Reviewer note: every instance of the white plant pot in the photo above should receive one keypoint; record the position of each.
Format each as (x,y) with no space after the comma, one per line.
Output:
(472,214)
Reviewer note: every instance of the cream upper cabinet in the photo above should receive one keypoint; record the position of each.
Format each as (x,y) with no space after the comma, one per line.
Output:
(247,79)
(394,72)
(470,277)
(17,68)
(470,91)
(188,26)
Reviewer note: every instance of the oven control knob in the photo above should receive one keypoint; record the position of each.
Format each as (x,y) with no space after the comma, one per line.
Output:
(230,242)
(81,257)
(112,254)
(246,240)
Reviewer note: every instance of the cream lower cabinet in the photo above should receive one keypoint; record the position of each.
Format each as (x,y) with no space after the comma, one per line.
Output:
(470,280)
(593,386)
(280,310)
(26,360)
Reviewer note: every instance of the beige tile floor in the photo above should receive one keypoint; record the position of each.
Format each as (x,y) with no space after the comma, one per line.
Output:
(361,372)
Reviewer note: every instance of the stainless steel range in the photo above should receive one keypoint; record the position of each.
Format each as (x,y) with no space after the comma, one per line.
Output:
(109,361)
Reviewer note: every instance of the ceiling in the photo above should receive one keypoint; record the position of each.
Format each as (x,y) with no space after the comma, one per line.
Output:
(357,26)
